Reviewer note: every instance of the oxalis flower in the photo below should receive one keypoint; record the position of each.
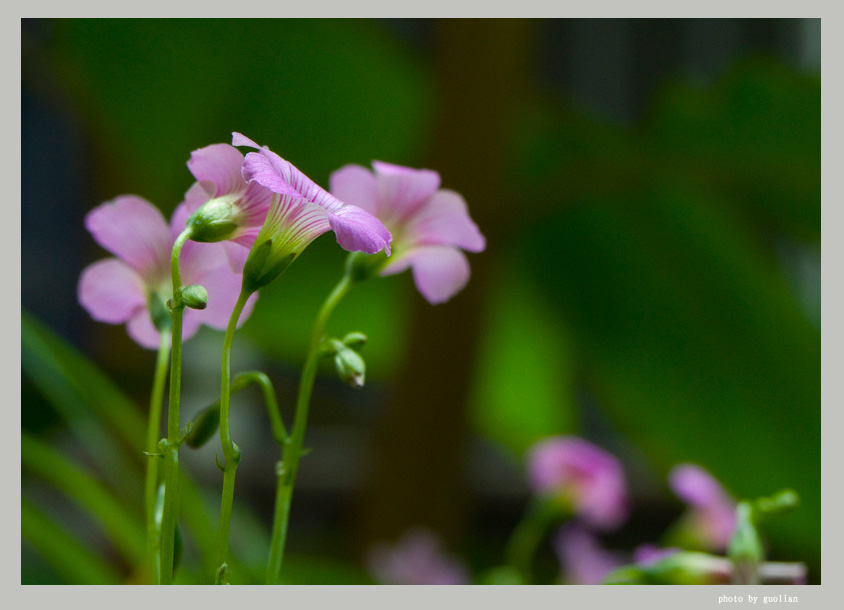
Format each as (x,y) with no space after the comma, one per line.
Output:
(711,519)
(221,205)
(134,287)
(418,558)
(587,478)
(583,560)
(300,212)
(431,226)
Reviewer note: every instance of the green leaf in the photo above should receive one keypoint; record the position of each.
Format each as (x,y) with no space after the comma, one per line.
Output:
(124,528)
(105,422)
(69,558)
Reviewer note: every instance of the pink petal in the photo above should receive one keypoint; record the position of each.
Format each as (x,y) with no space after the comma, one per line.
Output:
(111,292)
(134,230)
(697,487)
(238,139)
(220,164)
(142,331)
(406,189)
(444,220)
(282,177)
(223,286)
(355,185)
(359,231)
(439,272)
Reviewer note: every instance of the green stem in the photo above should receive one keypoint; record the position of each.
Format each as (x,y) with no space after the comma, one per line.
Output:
(273,412)
(528,534)
(231,453)
(171,447)
(286,470)
(153,430)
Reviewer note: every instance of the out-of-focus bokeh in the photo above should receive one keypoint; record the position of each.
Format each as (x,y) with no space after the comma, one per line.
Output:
(650,195)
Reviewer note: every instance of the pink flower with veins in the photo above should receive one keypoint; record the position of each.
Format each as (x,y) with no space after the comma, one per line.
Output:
(712,517)
(305,210)
(431,226)
(228,208)
(119,290)
(588,477)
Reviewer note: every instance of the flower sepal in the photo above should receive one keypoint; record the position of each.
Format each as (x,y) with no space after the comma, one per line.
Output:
(350,366)
(264,265)
(361,266)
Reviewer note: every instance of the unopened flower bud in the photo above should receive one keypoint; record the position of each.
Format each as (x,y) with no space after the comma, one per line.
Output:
(350,367)
(215,221)
(203,426)
(194,296)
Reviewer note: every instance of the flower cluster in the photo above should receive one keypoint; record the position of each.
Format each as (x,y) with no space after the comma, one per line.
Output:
(258,212)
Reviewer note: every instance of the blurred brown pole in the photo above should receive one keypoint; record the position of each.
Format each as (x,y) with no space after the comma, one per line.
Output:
(420,444)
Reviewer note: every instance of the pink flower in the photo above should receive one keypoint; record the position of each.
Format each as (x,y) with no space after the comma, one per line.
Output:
(416,559)
(712,517)
(124,289)
(583,560)
(649,554)
(221,205)
(588,477)
(308,208)
(431,226)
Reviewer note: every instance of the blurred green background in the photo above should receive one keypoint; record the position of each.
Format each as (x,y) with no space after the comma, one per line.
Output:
(650,194)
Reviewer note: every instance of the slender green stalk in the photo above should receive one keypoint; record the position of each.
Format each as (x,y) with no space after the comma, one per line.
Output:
(528,534)
(286,470)
(231,452)
(171,447)
(244,379)
(153,430)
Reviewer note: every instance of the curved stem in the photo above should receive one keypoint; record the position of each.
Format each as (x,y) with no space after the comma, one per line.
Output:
(287,468)
(231,453)
(273,412)
(153,430)
(171,448)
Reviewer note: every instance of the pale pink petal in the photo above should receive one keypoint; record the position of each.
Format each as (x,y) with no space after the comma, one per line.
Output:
(444,220)
(238,249)
(110,291)
(199,258)
(584,560)
(359,231)
(254,205)
(220,164)
(142,331)
(223,286)
(238,139)
(134,230)
(438,271)
(282,177)
(403,189)
(355,185)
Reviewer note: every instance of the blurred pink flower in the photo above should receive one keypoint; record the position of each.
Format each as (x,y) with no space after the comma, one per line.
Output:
(430,226)
(418,558)
(648,554)
(305,209)
(583,559)
(712,515)
(225,201)
(119,290)
(588,477)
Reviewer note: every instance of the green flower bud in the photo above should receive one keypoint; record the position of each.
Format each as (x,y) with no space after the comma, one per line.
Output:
(203,426)
(350,366)
(215,221)
(194,296)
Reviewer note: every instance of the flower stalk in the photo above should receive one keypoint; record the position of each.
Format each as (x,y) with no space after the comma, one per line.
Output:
(170,446)
(292,450)
(153,429)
